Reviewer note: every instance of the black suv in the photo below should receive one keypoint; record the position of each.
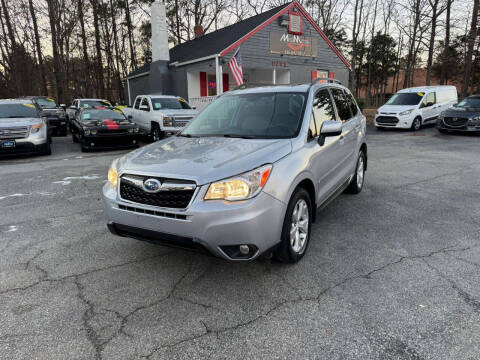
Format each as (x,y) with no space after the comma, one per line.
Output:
(54,114)
(464,117)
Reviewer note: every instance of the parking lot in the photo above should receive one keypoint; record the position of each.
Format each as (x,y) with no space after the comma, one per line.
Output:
(393,273)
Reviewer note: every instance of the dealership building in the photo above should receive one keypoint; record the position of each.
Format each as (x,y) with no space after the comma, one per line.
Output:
(280,46)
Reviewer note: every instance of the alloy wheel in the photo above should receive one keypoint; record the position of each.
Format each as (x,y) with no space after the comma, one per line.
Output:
(299,226)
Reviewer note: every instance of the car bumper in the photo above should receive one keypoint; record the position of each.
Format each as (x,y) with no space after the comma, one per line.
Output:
(23,147)
(465,129)
(404,122)
(111,141)
(215,226)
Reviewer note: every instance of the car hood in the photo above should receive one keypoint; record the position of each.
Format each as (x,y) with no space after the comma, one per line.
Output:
(176,112)
(395,109)
(461,112)
(203,159)
(15,122)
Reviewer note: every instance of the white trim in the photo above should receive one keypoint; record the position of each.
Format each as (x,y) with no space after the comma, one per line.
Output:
(136,76)
(177,64)
(128,90)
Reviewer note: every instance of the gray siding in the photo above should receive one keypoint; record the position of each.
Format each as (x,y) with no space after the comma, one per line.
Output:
(256,54)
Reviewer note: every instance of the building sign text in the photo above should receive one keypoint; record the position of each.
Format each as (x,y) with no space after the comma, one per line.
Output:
(297,45)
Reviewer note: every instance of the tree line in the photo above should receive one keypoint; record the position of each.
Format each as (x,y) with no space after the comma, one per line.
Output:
(84,48)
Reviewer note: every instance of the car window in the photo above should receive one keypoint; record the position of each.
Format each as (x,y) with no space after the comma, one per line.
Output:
(25,110)
(405,99)
(137,102)
(323,108)
(352,103)
(257,115)
(429,99)
(145,103)
(169,103)
(341,102)
(94,103)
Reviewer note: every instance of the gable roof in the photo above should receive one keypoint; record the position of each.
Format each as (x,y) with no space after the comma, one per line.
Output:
(215,42)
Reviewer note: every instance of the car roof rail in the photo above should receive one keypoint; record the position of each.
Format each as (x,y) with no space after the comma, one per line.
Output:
(331,80)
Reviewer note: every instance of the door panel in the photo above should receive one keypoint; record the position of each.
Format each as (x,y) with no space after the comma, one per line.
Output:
(324,159)
(429,113)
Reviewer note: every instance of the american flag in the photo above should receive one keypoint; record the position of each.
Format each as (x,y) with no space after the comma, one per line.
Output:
(235,65)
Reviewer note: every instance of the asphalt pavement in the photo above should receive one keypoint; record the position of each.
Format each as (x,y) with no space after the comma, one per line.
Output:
(391,273)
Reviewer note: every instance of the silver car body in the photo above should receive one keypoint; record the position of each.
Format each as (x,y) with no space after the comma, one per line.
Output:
(325,169)
(20,130)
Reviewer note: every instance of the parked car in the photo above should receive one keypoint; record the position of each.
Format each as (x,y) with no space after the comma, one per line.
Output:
(159,115)
(22,128)
(463,117)
(411,108)
(84,103)
(246,175)
(55,114)
(103,128)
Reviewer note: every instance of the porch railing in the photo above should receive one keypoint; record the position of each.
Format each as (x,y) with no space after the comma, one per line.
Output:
(201,102)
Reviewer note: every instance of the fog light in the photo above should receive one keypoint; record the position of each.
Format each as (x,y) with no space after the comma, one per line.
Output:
(134,141)
(244,249)
(92,144)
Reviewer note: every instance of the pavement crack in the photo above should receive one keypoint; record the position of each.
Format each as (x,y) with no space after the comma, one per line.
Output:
(433,178)
(466,297)
(87,315)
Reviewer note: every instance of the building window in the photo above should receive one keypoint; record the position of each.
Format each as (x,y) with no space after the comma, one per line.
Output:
(212,85)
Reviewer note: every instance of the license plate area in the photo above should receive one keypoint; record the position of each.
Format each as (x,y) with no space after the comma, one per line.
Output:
(6,144)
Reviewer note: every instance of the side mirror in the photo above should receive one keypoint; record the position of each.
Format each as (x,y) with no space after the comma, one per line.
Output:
(329,128)
(73,107)
(194,107)
(144,108)
(130,117)
(63,106)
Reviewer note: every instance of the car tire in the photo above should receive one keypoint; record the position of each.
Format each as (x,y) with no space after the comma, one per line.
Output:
(74,137)
(358,179)
(295,236)
(64,131)
(416,124)
(379,128)
(156,133)
(443,131)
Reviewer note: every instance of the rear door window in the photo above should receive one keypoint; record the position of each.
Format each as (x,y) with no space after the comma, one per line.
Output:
(429,99)
(145,103)
(137,102)
(342,104)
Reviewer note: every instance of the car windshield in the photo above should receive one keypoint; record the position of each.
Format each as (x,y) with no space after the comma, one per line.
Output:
(46,102)
(104,114)
(470,102)
(94,103)
(254,115)
(169,103)
(405,99)
(18,111)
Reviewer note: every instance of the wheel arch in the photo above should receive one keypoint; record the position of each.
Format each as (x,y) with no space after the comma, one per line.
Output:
(364,148)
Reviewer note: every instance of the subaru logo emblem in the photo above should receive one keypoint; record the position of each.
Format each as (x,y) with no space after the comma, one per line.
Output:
(152,185)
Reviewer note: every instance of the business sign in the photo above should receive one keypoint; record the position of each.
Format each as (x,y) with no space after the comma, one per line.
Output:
(289,44)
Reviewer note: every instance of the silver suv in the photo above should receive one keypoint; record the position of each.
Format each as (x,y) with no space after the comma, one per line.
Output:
(22,128)
(246,176)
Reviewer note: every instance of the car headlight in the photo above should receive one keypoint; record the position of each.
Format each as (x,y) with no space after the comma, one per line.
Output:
(36,128)
(113,174)
(474,121)
(168,121)
(240,187)
(86,131)
(136,130)
(93,132)
(130,130)
(406,112)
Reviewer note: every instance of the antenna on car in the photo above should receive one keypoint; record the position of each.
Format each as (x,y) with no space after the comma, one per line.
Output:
(331,80)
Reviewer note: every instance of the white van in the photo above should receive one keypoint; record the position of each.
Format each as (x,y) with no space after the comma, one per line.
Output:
(411,108)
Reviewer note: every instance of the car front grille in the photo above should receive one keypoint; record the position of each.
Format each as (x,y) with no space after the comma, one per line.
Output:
(455,122)
(182,120)
(176,194)
(387,120)
(14,132)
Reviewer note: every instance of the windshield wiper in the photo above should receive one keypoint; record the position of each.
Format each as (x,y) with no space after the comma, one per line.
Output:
(239,136)
(187,135)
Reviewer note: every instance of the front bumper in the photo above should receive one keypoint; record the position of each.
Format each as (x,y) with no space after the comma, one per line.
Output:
(211,225)
(465,129)
(23,147)
(397,121)
(111,141)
